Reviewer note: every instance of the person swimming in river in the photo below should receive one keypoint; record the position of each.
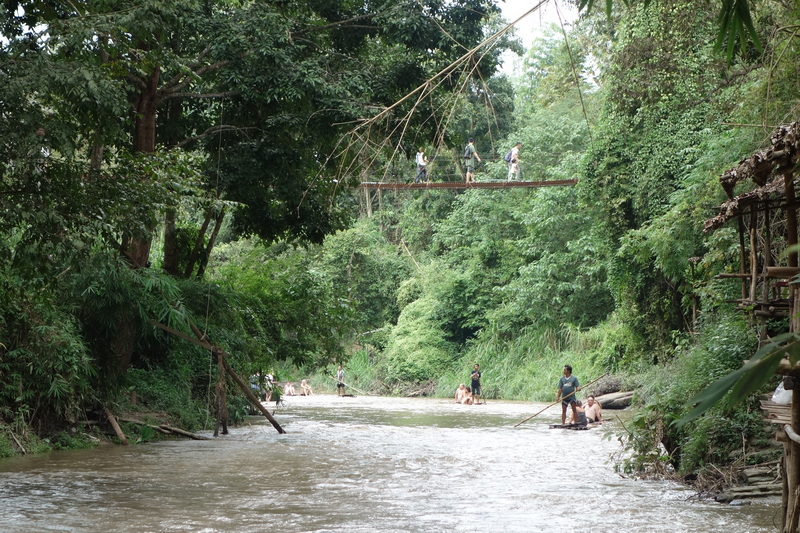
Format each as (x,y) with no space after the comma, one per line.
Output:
(467,399)
(580,418)
(460,392)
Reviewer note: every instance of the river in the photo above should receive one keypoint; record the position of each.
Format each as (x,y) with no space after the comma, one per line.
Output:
(362,464)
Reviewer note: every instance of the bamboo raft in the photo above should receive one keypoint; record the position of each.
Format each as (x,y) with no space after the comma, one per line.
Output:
(576,427)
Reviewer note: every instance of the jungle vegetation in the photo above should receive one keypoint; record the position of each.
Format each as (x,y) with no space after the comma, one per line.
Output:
(191,161)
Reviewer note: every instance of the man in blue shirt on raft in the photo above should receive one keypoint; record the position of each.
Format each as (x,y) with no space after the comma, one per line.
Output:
(568,385)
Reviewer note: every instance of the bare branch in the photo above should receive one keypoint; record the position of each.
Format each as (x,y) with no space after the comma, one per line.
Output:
(213,129)
(201,95)
(182,80)
(332,25)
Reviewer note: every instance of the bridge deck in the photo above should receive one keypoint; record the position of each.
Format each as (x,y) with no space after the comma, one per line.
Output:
(465,185)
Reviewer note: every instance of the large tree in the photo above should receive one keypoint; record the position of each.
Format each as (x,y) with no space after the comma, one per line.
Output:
(118,113)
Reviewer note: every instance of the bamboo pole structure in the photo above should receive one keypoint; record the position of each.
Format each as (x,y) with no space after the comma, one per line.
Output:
(200,341)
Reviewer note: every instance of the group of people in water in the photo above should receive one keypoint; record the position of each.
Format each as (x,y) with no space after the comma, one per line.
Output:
(470,395)
(269,389)
(305,388)
(568,385)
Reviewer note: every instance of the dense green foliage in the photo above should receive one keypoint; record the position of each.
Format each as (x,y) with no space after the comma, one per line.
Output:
(214,141)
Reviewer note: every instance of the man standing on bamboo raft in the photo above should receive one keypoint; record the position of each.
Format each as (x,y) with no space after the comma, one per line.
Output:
(568,385)
(340,381)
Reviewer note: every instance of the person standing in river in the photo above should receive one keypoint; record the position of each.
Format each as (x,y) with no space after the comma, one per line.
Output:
(568,385)
(340,380)
(475,376)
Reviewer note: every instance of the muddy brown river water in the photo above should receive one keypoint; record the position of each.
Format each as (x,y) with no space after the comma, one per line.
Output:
(363,464)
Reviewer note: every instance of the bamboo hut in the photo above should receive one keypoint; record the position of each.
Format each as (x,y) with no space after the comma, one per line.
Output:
(766,218)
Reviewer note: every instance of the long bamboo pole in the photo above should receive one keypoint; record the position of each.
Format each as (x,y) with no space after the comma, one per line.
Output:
(346,385)
(559,401)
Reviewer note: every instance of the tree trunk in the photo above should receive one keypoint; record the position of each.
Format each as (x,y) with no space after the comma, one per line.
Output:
(201,269)
(170,264)
(198,245)
(136,248)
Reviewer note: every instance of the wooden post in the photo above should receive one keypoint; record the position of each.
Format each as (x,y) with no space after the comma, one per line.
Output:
(792,448)
(784,486)
(368,203)
(221,396)
(753,258)
(742,256)
(791,216)
(793,469)
(765,281)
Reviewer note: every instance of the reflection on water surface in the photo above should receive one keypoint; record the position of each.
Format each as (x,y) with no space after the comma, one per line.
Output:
(362,464)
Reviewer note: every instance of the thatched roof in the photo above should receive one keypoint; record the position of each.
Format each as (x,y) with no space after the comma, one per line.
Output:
(765,168)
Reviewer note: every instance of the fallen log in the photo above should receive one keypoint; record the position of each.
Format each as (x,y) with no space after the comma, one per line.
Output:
(185,433)
(164,428)
(615,400)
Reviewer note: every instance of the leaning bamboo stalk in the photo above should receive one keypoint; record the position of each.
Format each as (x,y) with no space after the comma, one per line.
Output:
(19,445)
(242,385)
(118,430)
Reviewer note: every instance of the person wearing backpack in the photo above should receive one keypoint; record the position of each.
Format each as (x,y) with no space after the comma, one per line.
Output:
(512,158)
(470,155)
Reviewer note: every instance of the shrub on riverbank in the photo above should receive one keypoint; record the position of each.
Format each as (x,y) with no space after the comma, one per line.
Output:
(659,444)
(527,367)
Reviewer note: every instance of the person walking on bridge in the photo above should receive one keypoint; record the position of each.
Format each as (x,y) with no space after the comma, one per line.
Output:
(513,163)
(422,162)
(470,156)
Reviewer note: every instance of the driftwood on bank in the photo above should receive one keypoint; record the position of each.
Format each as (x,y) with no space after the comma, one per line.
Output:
(164,428)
